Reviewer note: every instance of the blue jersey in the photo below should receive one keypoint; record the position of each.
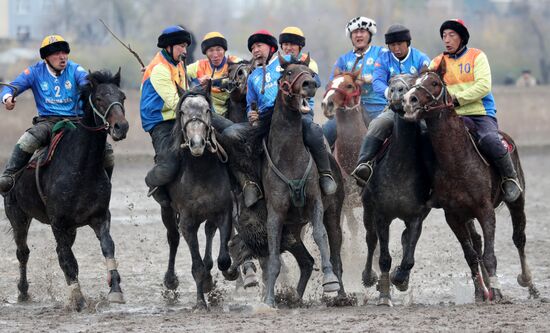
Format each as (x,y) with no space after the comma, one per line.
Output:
(387,65)
(345,64)
(54,96)
(266,101)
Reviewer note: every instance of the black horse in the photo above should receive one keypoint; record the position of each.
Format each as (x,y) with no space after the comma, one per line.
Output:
(399,188)
(201,191)
(74,190)
(236,86)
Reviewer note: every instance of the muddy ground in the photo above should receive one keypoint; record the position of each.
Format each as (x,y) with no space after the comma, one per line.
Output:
(440,296)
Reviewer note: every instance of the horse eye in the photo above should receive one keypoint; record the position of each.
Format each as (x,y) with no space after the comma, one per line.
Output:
(350,85)
(289,73)
(434,83)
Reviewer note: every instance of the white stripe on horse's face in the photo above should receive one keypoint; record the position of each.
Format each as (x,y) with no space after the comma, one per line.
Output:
(335,84)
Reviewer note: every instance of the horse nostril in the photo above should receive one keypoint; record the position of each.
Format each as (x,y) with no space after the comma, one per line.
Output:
(414,100)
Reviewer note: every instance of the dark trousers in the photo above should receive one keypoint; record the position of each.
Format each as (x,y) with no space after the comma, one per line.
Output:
(485,131)
(167,160)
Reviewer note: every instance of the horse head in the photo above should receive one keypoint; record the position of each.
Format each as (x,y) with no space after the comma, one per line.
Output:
(342,93)
(429,96)
(398,86)
(297,83)
(103,96)
(193,124)
(238,75)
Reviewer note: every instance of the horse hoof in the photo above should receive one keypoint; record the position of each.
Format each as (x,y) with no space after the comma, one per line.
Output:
(22,298)
(331,287)
(230,274)
(250,280)
(116,297)
(171,282)
(385,301)
(400,285)
(207,284)
(370,280)
(523,282)
(200,306)
(496,295)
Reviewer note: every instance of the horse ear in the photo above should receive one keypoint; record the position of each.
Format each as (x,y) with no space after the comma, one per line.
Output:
(337,72)
(116,78)
(208,89)
(282,60)
(91,79)
(307,60)
(180,90)
(424,69)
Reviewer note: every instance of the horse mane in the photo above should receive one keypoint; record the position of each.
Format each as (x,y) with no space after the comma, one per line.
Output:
(96,78)
(176,130)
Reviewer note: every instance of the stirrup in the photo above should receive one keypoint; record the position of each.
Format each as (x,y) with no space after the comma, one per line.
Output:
(152,191)
(513,180)
(249,182)
(361,181)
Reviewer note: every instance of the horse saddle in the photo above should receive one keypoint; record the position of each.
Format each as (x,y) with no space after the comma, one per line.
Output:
(44,155)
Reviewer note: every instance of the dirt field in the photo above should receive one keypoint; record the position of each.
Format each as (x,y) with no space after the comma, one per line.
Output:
(440,296)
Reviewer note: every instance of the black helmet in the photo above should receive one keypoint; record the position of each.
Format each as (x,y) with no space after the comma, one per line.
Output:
(398,33)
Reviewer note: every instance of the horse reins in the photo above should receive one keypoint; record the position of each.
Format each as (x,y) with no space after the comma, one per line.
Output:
(233,78)
(105,126)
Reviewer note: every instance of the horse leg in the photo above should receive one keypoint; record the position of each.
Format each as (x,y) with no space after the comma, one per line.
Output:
(210,231)
(409,238)
(102,232)
(477,242)
(331,221)
(65,240)
(189,228)
(226,228)
(274,234)
(20,223)
(305,262)
(369,276)
(488,224)
(517,212)
(330,280)
(460,230)
(172,234)
(383,232)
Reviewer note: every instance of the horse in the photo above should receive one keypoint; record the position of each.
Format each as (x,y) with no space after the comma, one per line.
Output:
(74,189)
(236,86)
(287,158)
(201,191)
(465,186)
(399,188)
(343,100)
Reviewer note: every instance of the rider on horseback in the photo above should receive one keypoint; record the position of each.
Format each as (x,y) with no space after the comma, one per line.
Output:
(360,30)
(401,58)
(468,80)
(214,67)
(163,78)
(262,91)
(55,83)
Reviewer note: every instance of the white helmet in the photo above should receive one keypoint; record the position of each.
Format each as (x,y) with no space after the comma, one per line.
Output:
(361,22)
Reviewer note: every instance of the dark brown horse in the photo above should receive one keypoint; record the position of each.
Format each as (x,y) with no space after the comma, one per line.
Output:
(74,190)
(343,101)
(287,158)
(236,86)
(464,186)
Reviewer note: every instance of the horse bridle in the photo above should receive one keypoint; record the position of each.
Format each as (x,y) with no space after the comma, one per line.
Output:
(104,116)
(284,84)
(348,97)
(233,82)
(433,105)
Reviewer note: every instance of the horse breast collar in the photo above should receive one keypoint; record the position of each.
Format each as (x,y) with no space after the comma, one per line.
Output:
(296,186)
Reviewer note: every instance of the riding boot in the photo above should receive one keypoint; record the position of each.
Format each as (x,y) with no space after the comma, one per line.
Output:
(19,158)
(109,160)
(326,181)
(510,184)
(160,194)
(252,191)
(363,172)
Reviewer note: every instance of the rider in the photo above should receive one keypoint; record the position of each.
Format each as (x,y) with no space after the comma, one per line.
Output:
(262,91)
(214,67)
(468,79)
(164,77)
(360,30)
(401,58)
(55,83)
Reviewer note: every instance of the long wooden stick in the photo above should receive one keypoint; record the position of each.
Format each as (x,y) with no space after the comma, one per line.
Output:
(123,44)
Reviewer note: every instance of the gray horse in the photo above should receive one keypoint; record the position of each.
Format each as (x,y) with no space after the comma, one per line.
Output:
(201,191)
